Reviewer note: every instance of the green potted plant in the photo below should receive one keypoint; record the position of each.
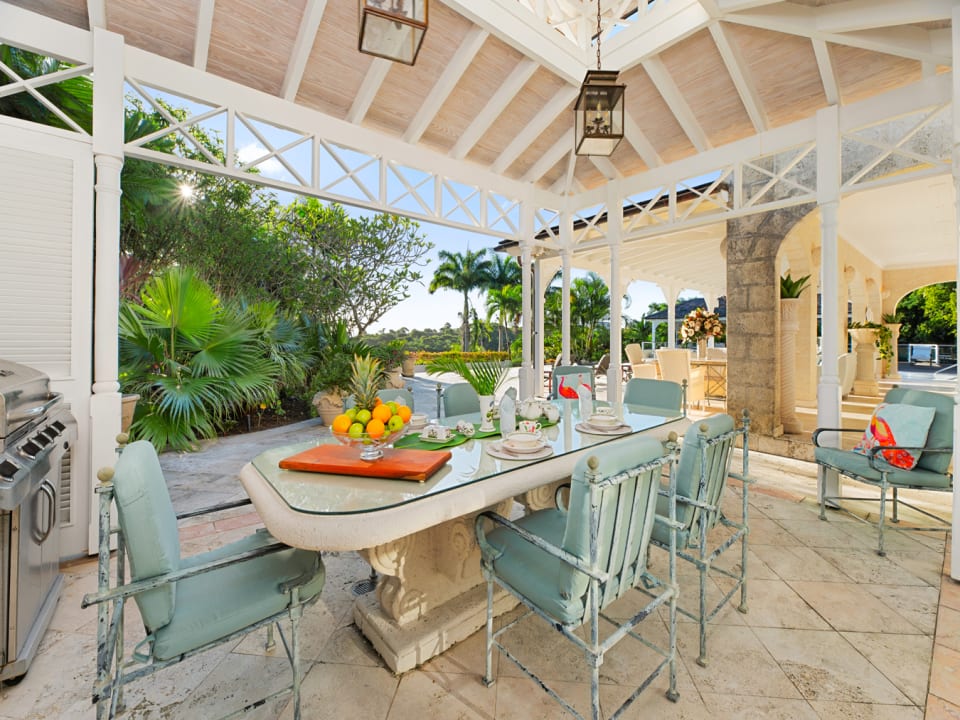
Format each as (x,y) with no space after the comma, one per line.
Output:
(790,288)
(332,373)
(390,355)
(484,376)
(881,337)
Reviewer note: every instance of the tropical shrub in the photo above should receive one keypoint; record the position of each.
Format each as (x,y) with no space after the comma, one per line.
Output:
(193,361)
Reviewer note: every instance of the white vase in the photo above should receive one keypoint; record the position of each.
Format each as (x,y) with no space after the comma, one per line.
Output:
(486,413)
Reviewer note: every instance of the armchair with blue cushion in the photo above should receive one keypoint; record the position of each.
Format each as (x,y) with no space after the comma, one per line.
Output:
(188,605)
(655,397)
(568,564)
(870,467)
(702,473)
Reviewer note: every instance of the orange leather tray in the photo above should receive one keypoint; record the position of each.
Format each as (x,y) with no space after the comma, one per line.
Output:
(343,460)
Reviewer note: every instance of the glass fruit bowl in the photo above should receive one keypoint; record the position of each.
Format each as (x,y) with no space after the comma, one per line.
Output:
(370,448)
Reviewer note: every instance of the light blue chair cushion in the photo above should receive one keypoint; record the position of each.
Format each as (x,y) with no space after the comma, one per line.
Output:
(150,528)
(688,477)
(460,399)
(653,393)
(217,603)
(551,584)
(571,377)
(941,429)
(848,461)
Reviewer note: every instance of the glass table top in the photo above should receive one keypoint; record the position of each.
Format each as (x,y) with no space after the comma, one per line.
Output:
(327,494)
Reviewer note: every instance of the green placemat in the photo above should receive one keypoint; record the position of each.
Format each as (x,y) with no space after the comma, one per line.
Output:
(413,442)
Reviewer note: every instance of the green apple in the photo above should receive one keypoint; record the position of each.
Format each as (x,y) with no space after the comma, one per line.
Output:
(356,430)
(395,423)
(363,417)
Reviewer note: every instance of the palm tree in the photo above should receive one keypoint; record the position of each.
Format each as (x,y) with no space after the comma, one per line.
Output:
(464,273)
(589,306)
(506,304)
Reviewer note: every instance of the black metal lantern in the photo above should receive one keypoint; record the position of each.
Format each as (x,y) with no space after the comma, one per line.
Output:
(599,113)
(393,29)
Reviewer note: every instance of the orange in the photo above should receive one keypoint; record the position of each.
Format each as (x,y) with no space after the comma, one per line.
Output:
(341,423)
(377,401)
(375,428)
(382,413)
(404,412)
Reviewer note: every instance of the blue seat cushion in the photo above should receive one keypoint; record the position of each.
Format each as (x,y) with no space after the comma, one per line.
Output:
(533,572)
(215,604)
(857,465)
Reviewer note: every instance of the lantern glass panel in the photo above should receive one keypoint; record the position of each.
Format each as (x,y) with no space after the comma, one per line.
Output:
(393,29)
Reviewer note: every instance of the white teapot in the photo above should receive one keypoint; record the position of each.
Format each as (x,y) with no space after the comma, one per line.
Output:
(530,409)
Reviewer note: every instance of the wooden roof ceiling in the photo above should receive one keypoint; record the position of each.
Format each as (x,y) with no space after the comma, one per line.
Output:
(699,73)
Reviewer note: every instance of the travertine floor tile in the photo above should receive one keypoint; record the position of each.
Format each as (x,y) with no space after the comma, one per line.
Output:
(773,603)
(849,606)
(939,709)
(823,666)
(865,711)
(903,659)
(745,707)
(436,696)
(335,692)
(795,562)
(916,604)
(945,674)
(948,628)
(865,566)
(522,699)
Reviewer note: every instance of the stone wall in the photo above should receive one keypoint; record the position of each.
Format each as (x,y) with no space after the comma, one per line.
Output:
(753,312)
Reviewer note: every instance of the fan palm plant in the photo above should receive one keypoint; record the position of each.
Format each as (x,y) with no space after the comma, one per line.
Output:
(484,376)
(193,361)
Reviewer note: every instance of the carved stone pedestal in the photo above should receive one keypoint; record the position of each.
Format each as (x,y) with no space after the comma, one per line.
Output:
(866,350)
(430,594)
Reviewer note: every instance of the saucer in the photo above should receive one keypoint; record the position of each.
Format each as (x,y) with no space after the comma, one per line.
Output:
(522,448)
(619,429)
(603,422)
(496,449)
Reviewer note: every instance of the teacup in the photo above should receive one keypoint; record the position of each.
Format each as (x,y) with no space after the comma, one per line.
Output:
(522,440)
(603,419)
(551,413)
(528,426)
(418,420)
(603,410)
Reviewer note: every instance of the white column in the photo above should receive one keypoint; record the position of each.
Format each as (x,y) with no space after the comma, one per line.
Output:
(537,328)
(615,240)
(566,256)
(828,198)
(670,293)
(526,257)
(955,535)
(108,123)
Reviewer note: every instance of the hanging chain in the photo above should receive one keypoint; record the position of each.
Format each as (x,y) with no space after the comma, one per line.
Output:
(598,34)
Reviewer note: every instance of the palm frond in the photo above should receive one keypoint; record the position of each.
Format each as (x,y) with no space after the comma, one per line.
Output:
(484,376)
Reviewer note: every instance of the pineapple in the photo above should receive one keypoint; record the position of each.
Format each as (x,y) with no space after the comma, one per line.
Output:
(368,378)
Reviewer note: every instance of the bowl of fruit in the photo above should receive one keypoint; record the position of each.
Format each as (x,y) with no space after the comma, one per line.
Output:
(371,423)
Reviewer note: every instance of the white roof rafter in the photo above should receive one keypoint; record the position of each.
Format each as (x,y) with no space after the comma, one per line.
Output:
(201,38)
(558,104)
(737,69)
(374,78)
(302,47)
(675,101)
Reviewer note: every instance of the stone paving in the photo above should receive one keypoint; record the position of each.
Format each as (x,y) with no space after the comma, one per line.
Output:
(833,630)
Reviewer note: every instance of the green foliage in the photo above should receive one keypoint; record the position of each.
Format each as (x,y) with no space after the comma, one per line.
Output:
(335,350)
(477,356)
(929,315)
(883,337)
(484,376)
(193,360)
(74,97)
(790,288)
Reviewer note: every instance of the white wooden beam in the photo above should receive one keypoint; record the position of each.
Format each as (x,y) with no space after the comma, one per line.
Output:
(675,101)
(828,76)
(302,47)
(666,25)
(868,14)
(522,30)
(543,119)
(729,6)
(737,68)
(201,38)
(369,88)
(497,104)
(96,13)
(551,157)
(636,137)
(606,166)
(445,84)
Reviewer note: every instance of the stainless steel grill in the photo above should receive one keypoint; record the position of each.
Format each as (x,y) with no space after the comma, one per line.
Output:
(37,433)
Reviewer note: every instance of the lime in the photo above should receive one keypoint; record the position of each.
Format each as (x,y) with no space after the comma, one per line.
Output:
(356,430)
(393,407)
(363,416)
(395,423)
(351,413)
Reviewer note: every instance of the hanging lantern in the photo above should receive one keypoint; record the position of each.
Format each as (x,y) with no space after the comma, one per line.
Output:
(393,29)
(599,113)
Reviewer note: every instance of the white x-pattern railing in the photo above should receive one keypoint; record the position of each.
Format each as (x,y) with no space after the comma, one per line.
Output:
(31,86)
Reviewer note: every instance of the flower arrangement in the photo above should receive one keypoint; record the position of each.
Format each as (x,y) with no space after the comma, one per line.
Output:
(700,325)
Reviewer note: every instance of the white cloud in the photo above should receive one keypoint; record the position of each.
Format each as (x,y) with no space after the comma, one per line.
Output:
(248,154)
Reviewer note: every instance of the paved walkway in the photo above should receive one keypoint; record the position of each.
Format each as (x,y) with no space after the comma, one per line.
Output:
(833,631)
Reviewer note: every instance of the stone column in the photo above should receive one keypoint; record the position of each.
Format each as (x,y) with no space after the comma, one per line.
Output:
(893,364)
(789,326)
(753,315)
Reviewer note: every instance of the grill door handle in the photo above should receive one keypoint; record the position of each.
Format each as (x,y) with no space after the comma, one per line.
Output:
(47,489)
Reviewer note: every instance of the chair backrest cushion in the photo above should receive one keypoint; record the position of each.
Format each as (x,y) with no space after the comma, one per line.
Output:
(399,394)
(634,353)
(674,365)
(941,429)
(654,393)
(149,527)
(460,399)
(689,468)
(618,549)
(567,379)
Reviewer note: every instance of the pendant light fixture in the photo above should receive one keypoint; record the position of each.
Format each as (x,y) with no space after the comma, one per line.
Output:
(599,109)
(393,29)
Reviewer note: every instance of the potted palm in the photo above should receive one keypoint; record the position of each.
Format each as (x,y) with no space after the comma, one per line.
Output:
(484,376)
(332,373)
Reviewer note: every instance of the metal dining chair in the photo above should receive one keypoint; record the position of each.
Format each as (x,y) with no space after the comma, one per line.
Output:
(655,395)
(460,399)
(188,605)
(702,474)
(567,379)
(568,564)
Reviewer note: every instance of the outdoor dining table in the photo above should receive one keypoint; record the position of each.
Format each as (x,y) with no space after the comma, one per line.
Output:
(419,536)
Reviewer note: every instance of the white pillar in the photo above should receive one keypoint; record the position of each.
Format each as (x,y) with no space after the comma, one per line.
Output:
(537,329)
(108,121)
(670,293)
(566,256)
(526,257)
(955,535)
(828,198)
(615,239)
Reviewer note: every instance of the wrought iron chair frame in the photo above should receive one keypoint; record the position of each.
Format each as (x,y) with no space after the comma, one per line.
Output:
(112,672)
(662,592)
(698,551)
